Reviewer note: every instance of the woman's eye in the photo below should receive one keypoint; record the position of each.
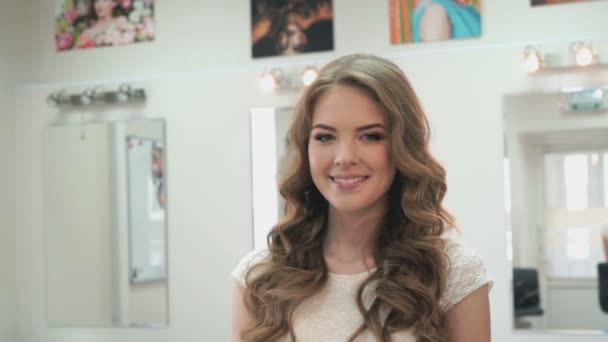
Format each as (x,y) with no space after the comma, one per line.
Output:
(324,137)
(372,137)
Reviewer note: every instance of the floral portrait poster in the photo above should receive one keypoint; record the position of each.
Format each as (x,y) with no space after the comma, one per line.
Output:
(554,2)
(83,24)
(433,20)
(291,27)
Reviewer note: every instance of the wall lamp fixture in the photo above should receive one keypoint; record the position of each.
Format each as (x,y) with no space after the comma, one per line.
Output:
(532,60)
(582,55)
(277,79)
(97,95)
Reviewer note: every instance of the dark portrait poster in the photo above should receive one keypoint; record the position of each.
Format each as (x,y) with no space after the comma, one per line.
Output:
(554,2)
(291,27)
(433,20)
(82,24)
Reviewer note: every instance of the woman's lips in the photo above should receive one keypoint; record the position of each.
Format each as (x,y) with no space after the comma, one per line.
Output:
(348,182)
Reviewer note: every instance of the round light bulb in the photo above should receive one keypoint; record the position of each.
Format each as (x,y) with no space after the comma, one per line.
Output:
(52,100)
(85,99)
(531,62)
(598,93)
(584,56)
(309,76)
(268,82)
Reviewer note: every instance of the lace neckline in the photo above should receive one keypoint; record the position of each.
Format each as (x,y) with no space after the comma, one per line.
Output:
(353,275)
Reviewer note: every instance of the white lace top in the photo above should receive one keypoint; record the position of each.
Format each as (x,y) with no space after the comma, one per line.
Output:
(332,315)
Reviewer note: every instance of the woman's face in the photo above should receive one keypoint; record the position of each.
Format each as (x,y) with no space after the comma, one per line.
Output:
(348,151)
(104,8)
(292,40)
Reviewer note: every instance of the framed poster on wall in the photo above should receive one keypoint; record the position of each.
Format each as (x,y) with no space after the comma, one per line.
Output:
(291,27)
(414,21)
(84,24)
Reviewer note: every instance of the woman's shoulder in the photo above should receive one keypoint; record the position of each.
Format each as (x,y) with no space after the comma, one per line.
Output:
(250,259)
(466,271)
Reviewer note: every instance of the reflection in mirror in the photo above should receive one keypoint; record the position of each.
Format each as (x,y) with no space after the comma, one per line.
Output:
(106,225)
(268,146)
(556,201)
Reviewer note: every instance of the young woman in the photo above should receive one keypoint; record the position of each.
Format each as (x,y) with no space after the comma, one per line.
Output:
(106,27)
(363,251)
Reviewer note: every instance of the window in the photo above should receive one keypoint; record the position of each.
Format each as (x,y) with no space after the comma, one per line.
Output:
(575,183)
(577,243)
(576,178)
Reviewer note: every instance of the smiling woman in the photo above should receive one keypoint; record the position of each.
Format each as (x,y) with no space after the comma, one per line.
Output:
(363,249)
(348,153)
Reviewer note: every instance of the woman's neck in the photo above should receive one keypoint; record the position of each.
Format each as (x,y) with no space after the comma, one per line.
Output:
(350,240)
(104,20)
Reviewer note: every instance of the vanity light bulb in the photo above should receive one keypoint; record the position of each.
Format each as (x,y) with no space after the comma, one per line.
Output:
(309,76)
(85,99)
(268,82)
(122,96)
(584,56)
(531,62)
(598,93)
(51,100)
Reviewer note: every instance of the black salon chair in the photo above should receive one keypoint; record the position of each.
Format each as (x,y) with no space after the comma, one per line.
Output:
(602,275)
(526,293)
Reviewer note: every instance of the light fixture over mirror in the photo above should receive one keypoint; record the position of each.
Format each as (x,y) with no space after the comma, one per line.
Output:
(582,55)
(278,79)
(96,95)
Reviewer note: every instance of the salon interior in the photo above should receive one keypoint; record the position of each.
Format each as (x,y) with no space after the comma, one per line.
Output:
(135,177)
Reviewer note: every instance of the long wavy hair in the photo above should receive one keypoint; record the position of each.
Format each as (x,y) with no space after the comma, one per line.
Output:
(411,266)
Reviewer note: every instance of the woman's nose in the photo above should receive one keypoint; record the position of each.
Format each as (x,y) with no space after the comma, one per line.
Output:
(346,154)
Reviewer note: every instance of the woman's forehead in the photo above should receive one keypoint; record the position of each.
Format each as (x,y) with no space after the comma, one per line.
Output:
(347,105)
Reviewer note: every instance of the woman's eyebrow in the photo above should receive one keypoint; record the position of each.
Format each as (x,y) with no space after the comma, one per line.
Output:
(374,125)
(360,128)
(323,126)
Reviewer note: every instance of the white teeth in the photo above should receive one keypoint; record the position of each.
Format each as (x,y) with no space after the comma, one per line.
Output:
(348,180)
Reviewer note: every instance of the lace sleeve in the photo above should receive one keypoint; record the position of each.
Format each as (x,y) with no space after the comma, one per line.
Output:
(250,259)
(466,273)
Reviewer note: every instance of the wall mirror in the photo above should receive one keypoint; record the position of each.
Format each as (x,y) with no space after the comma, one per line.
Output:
(268,146)
(106,224)
(556,189)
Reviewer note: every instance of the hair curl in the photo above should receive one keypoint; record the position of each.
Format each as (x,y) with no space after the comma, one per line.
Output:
(410,275)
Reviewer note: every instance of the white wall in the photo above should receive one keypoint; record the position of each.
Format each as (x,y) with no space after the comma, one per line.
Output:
(7,204)
(199,77)
(10,11)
